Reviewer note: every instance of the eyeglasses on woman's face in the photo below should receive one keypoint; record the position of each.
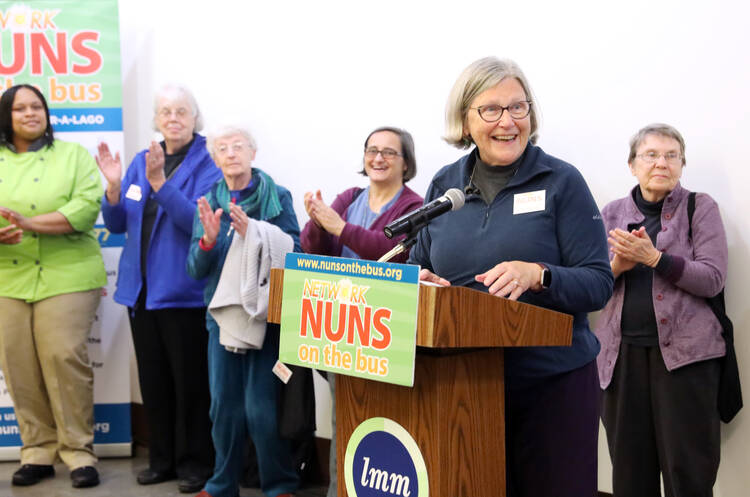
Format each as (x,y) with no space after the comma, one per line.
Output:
(652,157)
(492,113)
(387,153)
(166,112)
(236,147)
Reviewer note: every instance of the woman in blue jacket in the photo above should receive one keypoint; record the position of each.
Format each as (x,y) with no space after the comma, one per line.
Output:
(530,231)
(154,204)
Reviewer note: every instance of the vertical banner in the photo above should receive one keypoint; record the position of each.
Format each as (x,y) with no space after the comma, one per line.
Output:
(70,50)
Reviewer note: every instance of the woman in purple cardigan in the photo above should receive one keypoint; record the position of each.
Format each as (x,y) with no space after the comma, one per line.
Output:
(660,340)
(353,224)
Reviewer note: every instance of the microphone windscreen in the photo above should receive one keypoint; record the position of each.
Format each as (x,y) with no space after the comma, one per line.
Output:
(456,197)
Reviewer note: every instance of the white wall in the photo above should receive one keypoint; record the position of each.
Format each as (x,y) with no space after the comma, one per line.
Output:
(311,79)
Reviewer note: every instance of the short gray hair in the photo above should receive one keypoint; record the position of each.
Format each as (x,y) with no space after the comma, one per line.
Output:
(228,130)
(174,92)
(478,77)
(660,129)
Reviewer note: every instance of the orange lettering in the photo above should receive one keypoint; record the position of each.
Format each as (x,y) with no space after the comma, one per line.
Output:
(383,367)
(385,332)
(36,19)
(341,329)
(363,328)
(39,44)
(92,55)
(95,92)
(48,16)
(57,92)
(77,93)
(19,56)
(311,318)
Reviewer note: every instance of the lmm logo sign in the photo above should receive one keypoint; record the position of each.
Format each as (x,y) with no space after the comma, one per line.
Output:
(383,460)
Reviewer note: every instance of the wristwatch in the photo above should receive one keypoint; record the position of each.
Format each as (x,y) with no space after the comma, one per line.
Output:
(545,279)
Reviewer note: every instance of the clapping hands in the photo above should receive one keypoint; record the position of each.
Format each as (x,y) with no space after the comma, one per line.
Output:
(323,215)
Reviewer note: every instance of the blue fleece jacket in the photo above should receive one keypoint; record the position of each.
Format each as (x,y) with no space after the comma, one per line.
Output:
(208,263)
(566,235)
(167,281)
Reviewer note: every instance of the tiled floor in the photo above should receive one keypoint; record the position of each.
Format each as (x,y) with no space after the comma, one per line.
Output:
(117,480)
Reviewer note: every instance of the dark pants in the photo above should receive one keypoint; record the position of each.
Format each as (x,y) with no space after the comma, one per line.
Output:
(551,433)
(661,421)
(171,350)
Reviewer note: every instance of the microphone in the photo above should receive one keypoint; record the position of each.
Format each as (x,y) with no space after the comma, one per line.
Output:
(417,219)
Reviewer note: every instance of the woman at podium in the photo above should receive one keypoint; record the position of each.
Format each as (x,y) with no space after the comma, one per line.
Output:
(352,226)
(530,231)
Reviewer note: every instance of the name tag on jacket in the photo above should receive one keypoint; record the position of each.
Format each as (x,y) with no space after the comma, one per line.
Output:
(134,193)
(528,202)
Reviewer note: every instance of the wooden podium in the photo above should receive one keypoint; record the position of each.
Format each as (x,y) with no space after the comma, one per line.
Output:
(455,411)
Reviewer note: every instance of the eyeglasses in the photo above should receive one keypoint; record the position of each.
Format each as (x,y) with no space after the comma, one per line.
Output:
(492,113)
(236,147)
(179,112)
(387,153)
(651,157)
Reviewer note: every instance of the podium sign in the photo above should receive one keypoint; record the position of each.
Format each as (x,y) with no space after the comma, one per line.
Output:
(351,317)
(454,412)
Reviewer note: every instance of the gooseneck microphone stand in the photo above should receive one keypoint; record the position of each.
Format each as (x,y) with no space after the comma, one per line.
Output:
(408,242)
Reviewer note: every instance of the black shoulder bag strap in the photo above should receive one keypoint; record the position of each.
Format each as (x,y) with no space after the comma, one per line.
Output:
(730,392)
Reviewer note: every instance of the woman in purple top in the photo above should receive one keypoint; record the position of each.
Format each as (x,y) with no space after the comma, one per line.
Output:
(352,226)
(660,340)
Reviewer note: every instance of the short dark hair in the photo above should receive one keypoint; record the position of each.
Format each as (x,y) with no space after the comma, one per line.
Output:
(407,150)
(6,115)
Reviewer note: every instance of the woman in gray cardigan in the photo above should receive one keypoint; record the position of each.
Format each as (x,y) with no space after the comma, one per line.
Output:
(660,340)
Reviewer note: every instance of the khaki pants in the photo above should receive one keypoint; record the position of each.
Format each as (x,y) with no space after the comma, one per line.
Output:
(44,356)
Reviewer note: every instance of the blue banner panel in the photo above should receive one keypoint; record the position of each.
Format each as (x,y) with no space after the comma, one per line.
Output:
(402,273)
(107,238)
(9,434)
(96,119)
(111,425)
